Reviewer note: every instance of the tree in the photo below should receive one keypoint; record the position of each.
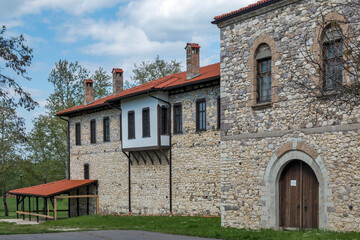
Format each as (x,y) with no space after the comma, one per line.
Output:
(330,79)
(102,83)
(47,145)
(15,57)
(148,71)
(67,79)
(12,136)
(47,150)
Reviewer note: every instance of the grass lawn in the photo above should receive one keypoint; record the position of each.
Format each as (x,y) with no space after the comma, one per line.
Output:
(194,226)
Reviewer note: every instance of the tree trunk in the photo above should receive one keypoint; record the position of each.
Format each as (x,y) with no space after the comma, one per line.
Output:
(6,210)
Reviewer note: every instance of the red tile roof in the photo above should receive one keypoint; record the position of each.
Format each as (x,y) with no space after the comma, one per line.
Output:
(53,188)
(88,80)
(247,8)
(117,70)
(164,83)
(193,45)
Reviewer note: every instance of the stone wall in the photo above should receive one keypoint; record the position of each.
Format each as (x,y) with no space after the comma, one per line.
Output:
(83,201)
(251,136)
(195,164)
(150,194)
(195,157)
(106,161)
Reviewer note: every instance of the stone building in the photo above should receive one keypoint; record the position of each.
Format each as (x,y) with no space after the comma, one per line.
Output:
(276,163)
(154,148)
(281,164)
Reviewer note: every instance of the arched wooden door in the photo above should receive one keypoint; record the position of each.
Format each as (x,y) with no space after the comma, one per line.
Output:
(298,196)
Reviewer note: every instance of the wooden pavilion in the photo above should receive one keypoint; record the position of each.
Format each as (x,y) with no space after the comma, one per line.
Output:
(51,192)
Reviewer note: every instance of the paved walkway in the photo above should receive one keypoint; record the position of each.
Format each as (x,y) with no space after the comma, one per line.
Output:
(20,221)
(103,235)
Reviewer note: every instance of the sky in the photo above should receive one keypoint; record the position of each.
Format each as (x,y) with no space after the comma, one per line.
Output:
(110,34)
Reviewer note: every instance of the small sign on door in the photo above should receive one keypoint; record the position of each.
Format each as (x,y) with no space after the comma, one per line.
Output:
(293,183)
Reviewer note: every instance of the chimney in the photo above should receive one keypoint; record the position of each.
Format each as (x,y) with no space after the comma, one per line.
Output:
(118,80)
(88,91)
(192,60)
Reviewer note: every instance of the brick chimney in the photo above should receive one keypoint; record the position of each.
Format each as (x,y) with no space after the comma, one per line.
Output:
(88,91)
(192,60)
(118,80)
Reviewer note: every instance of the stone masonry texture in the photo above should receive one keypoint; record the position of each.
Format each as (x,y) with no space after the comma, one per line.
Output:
(252,138)
(196,155)
(195,164)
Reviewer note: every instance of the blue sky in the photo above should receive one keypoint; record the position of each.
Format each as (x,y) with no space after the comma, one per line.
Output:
(110,33)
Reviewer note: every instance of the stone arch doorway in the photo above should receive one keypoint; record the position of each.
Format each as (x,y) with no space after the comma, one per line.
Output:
(281,158)
(298,196)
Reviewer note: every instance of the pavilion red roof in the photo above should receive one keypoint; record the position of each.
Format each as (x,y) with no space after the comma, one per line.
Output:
(164,83)
(53,188)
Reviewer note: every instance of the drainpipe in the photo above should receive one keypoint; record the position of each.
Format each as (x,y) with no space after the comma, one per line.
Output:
(68,143)
(170,162)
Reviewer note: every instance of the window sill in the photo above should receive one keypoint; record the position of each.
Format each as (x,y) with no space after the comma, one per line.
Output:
(328,93)
(201,131)
(260,106)
(177,133)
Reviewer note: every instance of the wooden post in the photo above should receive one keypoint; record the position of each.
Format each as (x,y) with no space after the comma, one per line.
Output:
(48,206)
(23,206)
(97,205)
(87,200)
(69,205)
(29,207)
(55,213)
(77,204)
(17,206)
(37,208)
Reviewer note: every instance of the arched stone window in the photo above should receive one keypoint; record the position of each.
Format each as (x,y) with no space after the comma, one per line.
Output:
(263,73)
(332,45)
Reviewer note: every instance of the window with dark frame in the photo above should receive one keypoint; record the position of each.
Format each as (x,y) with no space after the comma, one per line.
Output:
(93,131)
(263,58)
(77,134)
(106,124)
(333,57)
(131,125)
(177,118)
(146,122)
(86,171)
(201,115)
(218,113)
(164,120)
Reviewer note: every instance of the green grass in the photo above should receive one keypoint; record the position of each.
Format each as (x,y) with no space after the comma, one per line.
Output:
(11,202)
(193,226)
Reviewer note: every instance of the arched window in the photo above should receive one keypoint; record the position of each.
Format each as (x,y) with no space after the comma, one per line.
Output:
(332,44)
(263,61)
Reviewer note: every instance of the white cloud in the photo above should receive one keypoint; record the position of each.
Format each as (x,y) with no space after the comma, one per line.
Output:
(152,27)
(18,8)
(114,38)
